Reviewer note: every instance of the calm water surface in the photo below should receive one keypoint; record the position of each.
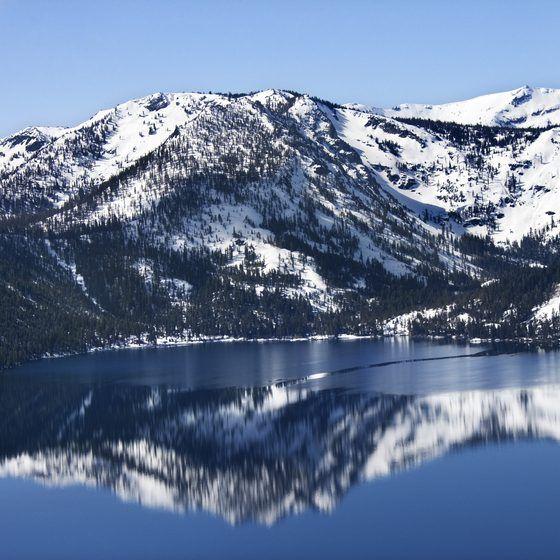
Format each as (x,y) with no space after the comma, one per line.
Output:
(362,449)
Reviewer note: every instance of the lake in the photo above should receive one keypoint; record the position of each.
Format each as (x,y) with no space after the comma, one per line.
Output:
(312,449)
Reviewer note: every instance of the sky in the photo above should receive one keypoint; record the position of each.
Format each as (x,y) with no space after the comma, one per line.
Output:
(63,60)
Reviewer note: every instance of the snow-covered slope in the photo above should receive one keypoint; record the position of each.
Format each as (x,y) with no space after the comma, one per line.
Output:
(504,182)
(17,149)
(522,107)
(549,308)
(61,160)
(223,172)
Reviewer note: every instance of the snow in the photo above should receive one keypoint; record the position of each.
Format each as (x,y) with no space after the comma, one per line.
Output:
(16,149)
(549,308)
(522,107)
(401,324)
(464,317)
(443,180)
(71,268)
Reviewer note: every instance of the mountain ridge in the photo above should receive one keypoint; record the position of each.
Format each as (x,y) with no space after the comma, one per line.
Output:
(501,188)
(524,107)
(284,214)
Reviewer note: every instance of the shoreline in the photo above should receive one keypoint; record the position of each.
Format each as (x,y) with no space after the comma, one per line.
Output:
(177,341)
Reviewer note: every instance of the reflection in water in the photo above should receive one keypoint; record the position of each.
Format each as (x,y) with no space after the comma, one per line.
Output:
(248,454)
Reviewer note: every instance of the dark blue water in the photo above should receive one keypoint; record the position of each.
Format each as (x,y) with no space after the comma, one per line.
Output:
(357,449)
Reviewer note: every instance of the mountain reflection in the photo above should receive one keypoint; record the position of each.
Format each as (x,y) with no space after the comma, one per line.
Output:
(247,454)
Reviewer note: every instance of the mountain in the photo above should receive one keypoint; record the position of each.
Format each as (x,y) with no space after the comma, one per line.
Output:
(525,107)
(270,214)
(497,180)
(249,455)
(16,149)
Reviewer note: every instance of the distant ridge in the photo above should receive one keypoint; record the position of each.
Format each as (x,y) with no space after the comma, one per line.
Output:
(524,107)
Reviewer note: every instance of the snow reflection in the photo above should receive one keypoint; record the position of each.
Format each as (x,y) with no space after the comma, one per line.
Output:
(249,454)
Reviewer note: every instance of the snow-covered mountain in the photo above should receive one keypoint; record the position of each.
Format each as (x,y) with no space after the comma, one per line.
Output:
(307,215)
(250,455)
(18,148)
(488,180)
(525,107)
(500,181)
(268,171)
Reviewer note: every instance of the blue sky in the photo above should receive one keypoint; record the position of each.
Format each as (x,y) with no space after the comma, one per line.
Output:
(62,60)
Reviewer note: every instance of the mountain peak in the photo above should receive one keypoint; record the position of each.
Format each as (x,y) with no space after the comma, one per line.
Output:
(524,107)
